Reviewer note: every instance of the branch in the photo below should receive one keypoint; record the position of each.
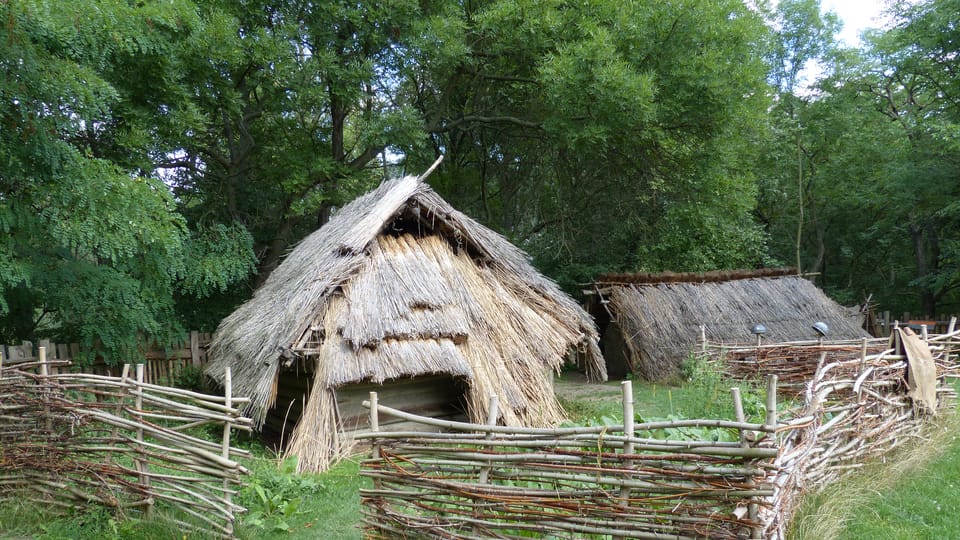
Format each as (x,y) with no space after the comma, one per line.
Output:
(489,120)
(361,161)
(506,78)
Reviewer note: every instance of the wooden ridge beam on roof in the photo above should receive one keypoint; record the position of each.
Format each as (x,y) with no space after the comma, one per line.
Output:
(691,277)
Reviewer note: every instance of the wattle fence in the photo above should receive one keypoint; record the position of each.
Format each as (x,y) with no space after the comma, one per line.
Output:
(640,480)
(161,366)
(69,440)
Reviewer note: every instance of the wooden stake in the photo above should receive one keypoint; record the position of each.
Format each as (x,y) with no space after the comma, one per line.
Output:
(626,388)
(141,462)
(225,452)
(738,411)
(44,371)
(493,412)
(772,401)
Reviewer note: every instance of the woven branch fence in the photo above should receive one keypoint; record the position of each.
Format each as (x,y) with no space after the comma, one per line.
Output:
(852,405)
(162,366)
(483,481)
(487,481)
(71,440)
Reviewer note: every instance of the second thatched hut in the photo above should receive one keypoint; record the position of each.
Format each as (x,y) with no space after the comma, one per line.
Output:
(402,294)
(650,323)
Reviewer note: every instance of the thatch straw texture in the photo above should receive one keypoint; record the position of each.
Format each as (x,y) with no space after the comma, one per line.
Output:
(399,284)
(661,321)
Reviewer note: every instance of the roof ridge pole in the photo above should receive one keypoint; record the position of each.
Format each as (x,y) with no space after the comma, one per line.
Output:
(432,168)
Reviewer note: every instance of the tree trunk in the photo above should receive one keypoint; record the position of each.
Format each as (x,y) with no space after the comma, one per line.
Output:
(925,250)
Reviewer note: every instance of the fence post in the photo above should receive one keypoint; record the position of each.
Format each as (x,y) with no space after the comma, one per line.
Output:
(493,412)
(375,427)
(772,400)
(626,390)
(225,451)
(195,348)
(118,410)
(140,461)
(952,325)
(45,392)
(753,510)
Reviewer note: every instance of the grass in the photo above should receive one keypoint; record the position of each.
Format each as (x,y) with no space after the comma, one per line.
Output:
(705,394)
(911,495)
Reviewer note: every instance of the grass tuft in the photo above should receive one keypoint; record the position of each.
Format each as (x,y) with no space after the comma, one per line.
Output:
(910,494)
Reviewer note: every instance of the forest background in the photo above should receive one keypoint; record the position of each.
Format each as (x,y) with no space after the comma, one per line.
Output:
(159,158)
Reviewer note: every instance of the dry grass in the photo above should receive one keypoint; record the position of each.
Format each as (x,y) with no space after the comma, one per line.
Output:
(826,514)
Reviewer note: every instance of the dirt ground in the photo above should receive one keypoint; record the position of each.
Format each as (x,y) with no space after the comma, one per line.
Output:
(573,386)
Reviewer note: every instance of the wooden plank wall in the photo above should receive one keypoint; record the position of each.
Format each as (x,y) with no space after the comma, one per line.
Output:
(883,322)
(162,366)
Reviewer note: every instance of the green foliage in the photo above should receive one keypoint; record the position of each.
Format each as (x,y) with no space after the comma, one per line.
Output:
(602,135)
(275,496)
(93,248)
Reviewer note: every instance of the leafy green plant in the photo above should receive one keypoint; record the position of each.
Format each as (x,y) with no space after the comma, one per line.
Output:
(276,494)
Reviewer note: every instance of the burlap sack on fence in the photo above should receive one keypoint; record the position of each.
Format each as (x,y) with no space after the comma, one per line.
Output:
(921,371)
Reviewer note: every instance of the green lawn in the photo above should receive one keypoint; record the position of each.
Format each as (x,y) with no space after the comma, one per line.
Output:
(913,494)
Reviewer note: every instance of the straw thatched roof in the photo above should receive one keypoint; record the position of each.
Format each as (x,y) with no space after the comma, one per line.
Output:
(660,315)
(400,284)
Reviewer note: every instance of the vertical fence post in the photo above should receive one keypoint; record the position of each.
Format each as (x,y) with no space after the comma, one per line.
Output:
(772,401)
(952,325)
(45,392)
(493,412)
(225,450)
(140,461)
(626,390)
(195,348)
(895,337)
(738,412)
(753,508)
(703,339)
(375,427)
(118,410)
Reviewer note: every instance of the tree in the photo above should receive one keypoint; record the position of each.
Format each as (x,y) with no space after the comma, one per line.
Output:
(600,135)
(92,248)
(914,85)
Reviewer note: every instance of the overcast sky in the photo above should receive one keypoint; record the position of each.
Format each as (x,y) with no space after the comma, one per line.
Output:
(856,16)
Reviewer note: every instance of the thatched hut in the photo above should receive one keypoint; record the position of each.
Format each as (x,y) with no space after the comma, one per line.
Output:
(650,323)
(402,294)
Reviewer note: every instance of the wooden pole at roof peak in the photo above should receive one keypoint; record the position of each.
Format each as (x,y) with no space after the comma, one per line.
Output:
(432,168)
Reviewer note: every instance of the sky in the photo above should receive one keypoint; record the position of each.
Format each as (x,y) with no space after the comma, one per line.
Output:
(856,16)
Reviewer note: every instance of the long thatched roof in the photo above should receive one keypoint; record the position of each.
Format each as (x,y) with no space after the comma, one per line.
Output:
(660,315)
(400,284)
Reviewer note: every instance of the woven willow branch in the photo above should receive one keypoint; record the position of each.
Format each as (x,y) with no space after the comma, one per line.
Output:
(71,440)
